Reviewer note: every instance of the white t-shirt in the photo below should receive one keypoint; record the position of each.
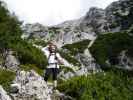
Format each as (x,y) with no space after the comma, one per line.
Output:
(51,58)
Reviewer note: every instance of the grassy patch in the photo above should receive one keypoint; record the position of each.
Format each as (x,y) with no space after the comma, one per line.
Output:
(112,85)
(6,77)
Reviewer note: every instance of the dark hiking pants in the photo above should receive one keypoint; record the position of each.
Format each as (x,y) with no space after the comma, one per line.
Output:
(51,71)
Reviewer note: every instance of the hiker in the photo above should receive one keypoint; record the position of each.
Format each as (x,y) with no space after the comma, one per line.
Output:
(54,59)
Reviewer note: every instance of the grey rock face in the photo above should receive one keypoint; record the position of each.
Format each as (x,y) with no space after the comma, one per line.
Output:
(125,61)
(116,17)
(62,35)
(31,86)
(88,63)
(71,37)
(34,30)
(11,62)
(96,20)
(120,14)
(3,94)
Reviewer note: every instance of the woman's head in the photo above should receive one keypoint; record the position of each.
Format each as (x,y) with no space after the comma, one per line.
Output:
(52,47)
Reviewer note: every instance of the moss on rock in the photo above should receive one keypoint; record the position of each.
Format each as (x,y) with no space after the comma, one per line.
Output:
(6,78)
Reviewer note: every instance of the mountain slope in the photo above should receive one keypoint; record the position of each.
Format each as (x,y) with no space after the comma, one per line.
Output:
(98,48)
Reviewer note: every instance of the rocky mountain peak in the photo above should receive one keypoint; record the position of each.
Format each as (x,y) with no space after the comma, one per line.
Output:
(96,21)
(95,13)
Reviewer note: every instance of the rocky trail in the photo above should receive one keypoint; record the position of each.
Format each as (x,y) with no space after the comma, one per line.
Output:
(31,86)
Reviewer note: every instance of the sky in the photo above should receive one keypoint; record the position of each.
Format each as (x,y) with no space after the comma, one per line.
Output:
(52,12)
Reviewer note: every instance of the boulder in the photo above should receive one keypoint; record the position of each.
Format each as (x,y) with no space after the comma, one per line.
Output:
(30,86)
(11,62)
(125,61)
(3,94)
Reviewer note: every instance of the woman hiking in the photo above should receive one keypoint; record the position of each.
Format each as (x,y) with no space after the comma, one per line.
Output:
(54,59)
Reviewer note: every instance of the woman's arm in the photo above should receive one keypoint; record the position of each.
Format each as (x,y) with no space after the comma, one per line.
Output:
(59,59)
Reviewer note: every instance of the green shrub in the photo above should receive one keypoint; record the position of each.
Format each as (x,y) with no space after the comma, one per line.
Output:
(69,58)
(112,85)
(54,30)
(27,54)
(10,38)
(1,59)
(6,77)
(73,49)
(66,69)
(9,27)
(40,42)
(77,47)
(108,47)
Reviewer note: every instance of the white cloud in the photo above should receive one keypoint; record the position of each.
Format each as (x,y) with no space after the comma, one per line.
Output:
(50,12)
